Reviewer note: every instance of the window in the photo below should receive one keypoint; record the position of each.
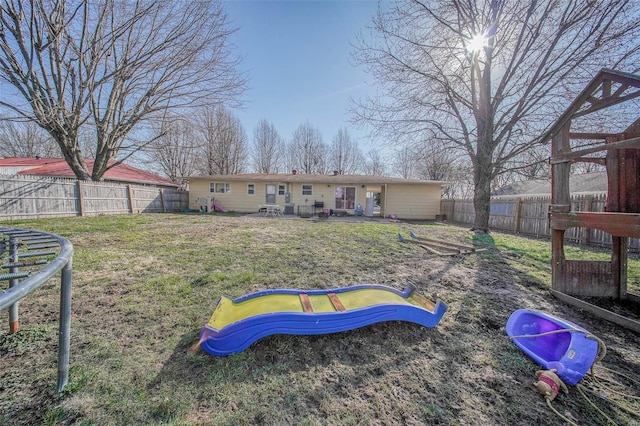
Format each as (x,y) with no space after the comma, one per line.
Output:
(251,189)
(345,197)
(281,190)
(219,188)
(307,189)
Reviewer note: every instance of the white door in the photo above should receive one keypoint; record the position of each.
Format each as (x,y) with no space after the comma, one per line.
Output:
(271,194)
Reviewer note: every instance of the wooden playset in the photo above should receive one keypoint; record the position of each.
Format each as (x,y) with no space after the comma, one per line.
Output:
(620,153)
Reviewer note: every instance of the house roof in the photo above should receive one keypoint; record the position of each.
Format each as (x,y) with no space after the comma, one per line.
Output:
(582,183)
(57,167)
(316,178)
(28,162)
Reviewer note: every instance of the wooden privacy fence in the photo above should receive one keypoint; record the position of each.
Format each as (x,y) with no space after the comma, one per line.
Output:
(32,197)
(529,216)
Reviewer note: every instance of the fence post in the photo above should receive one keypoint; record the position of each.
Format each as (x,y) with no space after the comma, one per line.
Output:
(164,208)
(585,231)
(80,198)
(518,218)
(130,196)
(453,209)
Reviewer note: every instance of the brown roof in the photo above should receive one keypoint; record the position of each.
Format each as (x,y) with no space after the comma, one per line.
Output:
(57,167)
(316,178)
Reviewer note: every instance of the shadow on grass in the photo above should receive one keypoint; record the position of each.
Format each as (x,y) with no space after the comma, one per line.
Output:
(362,347)
(498,290)
(278,376)
(465,368)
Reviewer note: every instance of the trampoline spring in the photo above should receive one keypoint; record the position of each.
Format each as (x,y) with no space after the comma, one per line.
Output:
(24,263)
(37,253)
(37,240)
(35,237)
(19,235)
(42,246)
(14,276)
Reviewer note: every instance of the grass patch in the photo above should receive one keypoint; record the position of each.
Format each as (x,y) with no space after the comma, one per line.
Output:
(26,339)
(145,284)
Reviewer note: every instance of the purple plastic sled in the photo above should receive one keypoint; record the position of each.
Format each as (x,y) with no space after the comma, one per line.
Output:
(571,352)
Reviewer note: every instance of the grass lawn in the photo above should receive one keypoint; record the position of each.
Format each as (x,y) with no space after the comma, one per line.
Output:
(144,285)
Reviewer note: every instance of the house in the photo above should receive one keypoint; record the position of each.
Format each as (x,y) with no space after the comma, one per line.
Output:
(585,183)
(58,168)
(313,193)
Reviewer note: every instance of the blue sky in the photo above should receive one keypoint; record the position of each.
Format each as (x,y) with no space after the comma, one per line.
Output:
(297,54)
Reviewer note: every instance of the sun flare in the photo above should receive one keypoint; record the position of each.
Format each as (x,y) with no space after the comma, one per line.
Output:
(476,43)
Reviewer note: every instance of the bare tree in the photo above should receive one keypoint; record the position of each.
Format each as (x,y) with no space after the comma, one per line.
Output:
(460,182)
(488,77)
(435,163)
(439,163)
(174,151)
(268,148)
(25,139)
(587,167)
(344,156)
(308,151)
(529,165)
(404,162)
(113,64)
(374,164)
(288,159)
(223,149)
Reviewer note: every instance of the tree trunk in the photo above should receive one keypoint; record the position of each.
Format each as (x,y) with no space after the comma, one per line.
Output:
(482,197)
(483,170)
(72,155)
(483,166)
(103,154)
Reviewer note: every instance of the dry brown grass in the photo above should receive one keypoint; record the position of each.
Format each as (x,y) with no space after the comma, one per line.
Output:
(144,286)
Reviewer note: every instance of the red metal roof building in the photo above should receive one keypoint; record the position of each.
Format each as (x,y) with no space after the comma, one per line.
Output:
(58,168)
